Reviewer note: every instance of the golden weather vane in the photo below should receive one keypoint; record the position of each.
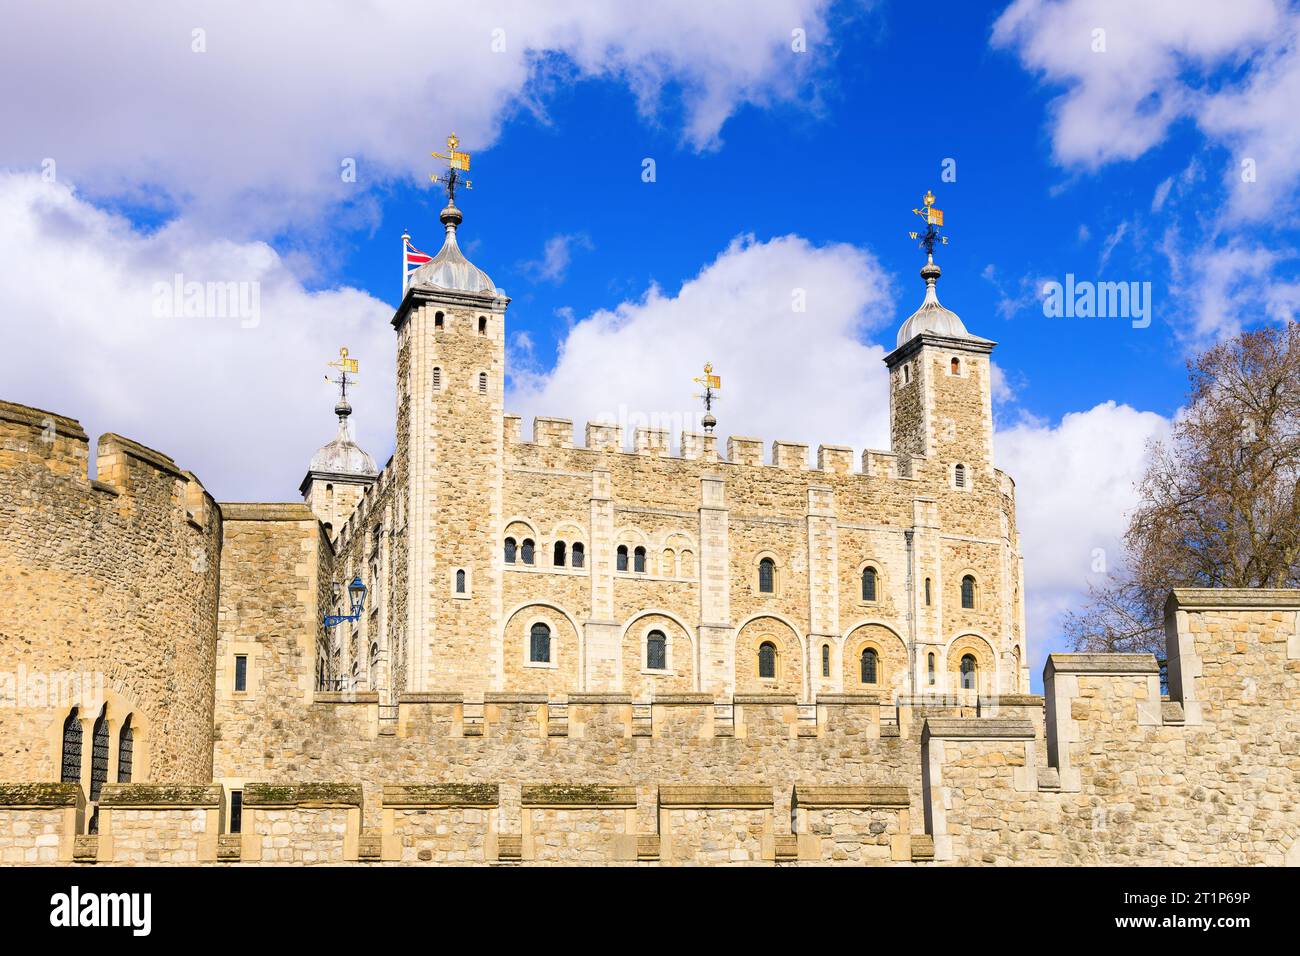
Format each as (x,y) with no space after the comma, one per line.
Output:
(346,366)
(933,217)
(712,383)
(456,161)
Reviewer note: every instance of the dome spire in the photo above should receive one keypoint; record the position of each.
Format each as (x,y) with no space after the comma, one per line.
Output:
(343,456)
(449,269)
(931,316)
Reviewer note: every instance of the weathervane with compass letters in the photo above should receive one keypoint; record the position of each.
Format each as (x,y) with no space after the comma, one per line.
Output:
(712,383)
(933,217)
(345,366)
(456,160)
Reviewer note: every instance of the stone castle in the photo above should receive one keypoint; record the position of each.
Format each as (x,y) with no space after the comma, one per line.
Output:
(588,653)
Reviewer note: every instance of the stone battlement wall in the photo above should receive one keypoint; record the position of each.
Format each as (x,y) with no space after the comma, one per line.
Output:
(111,590)
(700,447)
(1104,771)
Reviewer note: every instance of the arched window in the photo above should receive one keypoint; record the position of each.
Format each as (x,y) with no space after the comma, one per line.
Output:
(437,378)
(927,592)
(968,669)
(869,584)
(956,365)
(766,576)
(687,564)
(70,771)
(558,557)
(482,383)
(526,552)
(907,374)
(622,557)
(511,550)
(482,325)
(539,644)
(99,754)
(579,554)
(460,581)
(968,592)
(959,476)
(929,667)
(668,565)
(656,651)
(437,320)
(870,665)
(125,751)
(767,659)
(638,560)
(826,660)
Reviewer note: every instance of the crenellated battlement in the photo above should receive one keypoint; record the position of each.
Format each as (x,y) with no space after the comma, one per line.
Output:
(604,437)
(58,445)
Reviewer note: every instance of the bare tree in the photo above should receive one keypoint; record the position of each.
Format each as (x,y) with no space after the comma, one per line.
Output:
(1220,499)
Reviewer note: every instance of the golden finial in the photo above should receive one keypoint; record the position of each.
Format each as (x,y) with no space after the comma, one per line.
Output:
(456,160)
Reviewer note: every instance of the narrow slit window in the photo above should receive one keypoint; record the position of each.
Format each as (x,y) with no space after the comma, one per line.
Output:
(99,755)
(241,673)
(236,811)
(482,383)
(482,325)
(767,576)
(70,771)
(959,476)
(125,751)
(826,660)
(968,592)
(460,581)
(437,320)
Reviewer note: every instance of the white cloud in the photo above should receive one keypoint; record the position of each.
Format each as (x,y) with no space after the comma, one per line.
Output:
(252,132)
(242,404)
(1228,287)
(795,375)
(1121,98)
(557,253)
(1075,485)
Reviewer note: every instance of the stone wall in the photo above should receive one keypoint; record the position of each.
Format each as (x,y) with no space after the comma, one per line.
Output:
(110,601)
(1105,770)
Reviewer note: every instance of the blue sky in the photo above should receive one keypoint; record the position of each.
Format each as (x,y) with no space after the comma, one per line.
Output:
(1149,143)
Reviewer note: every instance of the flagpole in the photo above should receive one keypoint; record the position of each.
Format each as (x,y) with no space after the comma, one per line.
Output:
(406,238)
